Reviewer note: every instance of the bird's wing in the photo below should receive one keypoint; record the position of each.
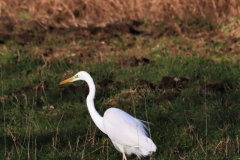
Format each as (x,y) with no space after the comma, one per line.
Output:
(126,130)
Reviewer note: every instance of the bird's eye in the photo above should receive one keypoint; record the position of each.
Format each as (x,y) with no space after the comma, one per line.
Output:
(76,76)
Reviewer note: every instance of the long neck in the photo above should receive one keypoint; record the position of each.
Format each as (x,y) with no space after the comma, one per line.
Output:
(98,120)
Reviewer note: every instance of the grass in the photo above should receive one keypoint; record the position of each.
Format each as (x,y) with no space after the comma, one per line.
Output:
(33,128)
(62,14)
(23,16)
(42,120)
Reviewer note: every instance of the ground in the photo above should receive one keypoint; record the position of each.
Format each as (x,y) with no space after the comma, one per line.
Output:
(173,64)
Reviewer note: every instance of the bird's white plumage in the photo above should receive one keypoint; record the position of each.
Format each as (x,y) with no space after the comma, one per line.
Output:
(123,129)
(127,133)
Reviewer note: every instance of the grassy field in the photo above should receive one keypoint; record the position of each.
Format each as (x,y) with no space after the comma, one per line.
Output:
(165,66)
(194,116)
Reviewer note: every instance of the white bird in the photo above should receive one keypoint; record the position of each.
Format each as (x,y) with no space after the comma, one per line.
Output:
(127,133)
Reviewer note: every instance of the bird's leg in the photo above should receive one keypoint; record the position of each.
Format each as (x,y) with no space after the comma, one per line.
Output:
(124,156)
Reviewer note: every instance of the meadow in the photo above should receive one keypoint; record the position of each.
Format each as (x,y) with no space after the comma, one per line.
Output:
(180,75)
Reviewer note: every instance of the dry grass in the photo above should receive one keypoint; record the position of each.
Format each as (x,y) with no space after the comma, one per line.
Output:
(73,13)
(189,36)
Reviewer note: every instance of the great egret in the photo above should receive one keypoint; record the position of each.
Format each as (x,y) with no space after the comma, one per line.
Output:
(127,133)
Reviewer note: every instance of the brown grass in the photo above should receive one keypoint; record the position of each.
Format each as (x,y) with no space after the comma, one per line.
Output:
(29,20)
(73,13)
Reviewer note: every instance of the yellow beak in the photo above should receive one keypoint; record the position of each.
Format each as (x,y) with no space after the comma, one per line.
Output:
(67,80)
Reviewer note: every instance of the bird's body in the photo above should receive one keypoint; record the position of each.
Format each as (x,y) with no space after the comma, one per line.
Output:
(127,133)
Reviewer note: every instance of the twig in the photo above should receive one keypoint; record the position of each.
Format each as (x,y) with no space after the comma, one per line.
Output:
(41,25)
(149,130)
(215,9)
(14,141)
(74,19)
(200,144)
(56,137)
(85,142)
(134,108)
(237,141)
(228,139)
(77,142)
(35,142)
(107,149)
(206,122)
(70,146)
(4,116)
(28,135)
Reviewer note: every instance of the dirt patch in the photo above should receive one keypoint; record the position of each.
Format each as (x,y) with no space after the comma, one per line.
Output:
(142,84)
(168,95)
(169,82)
(216,88)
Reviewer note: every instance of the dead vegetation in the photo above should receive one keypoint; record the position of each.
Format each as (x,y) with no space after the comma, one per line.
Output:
(84,13)
(121,21)
(107,21)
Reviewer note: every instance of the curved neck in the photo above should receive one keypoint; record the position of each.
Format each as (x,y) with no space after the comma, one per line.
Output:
(98,120)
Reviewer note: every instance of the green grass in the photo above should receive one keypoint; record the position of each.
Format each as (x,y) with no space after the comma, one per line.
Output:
(54,123)
(23,16)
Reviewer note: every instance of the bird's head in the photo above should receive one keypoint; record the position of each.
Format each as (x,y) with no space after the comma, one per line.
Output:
(82,75)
